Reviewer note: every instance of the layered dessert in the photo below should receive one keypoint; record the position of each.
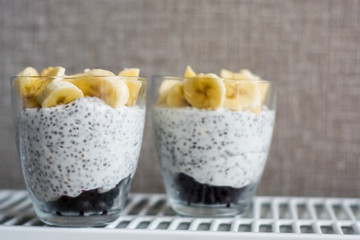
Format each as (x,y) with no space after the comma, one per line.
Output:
(79,138)
(213,135)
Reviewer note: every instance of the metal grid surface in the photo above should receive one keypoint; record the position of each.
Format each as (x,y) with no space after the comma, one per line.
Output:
(268,217)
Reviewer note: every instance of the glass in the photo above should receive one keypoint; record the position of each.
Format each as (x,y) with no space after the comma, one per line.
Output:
(212,160)
(78,159)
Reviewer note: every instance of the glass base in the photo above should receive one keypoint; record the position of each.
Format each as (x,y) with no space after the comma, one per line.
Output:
(78,221)
(202,210)
(91,208)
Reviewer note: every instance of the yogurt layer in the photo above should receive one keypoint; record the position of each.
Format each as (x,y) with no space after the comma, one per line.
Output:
(77,147)
(221,148)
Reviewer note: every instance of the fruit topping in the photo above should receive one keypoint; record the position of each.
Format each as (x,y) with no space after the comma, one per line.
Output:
(59,92)
(205,91)
(104,85)
(242,91)
(175,97)
(132,83)
(189,72)
(53,87)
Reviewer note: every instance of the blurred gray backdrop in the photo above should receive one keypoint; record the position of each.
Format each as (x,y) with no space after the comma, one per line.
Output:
(311,48)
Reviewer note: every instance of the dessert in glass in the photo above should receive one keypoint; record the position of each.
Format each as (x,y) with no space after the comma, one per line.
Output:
(79,138)
(212,135)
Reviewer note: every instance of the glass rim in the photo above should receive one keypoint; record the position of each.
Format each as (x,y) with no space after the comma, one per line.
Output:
(168,77)
(140,78)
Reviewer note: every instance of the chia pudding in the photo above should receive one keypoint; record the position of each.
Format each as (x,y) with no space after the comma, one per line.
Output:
(210,156)
(78,156)
(213,136)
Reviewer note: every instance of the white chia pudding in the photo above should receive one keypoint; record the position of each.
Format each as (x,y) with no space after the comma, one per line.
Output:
(217,148)
(81,146)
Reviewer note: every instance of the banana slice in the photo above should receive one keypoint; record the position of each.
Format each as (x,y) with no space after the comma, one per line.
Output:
(205,91)
(53,72)
(28,71)
(227,74)
(163,97)
(189,72)
(49,74)
(134,88)
(175,97)
(45,71)
(27,84)
(25,81)
(167,84)
(104,85)
(130,72)
(242,95)
(132,84)
(59,92)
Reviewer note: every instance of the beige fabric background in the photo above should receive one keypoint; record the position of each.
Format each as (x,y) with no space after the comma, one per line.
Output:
(312,49)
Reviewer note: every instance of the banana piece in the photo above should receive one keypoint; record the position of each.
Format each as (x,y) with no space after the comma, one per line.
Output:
(27,84)
(224,73)
(163,97)
(175,97)
(165,88)
(53,72)
(242,95)
(134,88)
(49,74)
(45,71)
(245,74)
(205,91)
(189,72)
(25,81)
(59,92)
(28,71)
(104,85)
(132,83)
(130,72)
(166,85)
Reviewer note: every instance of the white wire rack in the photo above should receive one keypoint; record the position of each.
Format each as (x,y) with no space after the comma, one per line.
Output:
(149,215)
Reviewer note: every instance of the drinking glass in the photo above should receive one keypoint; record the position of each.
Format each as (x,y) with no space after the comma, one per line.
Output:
(78,159)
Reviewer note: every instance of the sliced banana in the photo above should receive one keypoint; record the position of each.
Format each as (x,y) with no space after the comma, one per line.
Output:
(175,97)
(134,88)
(48,75)
(189,72)
(130,72)
(45,71)
(104,85)
(167,84)
(227,74)
(242,95)
(27,84)
(53,72)
(59,92)
(132,83)
(28,71)
(163,97)
(25,81)
(205,91)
